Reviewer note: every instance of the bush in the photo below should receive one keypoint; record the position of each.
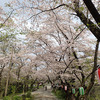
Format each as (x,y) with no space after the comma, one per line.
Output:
(17,98)
(60,94)
(28,95)
(13,89)
(28,99)
(23,97)
(7,98)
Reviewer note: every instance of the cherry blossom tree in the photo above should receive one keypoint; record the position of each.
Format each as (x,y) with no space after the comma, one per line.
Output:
(57,37)
(62,62)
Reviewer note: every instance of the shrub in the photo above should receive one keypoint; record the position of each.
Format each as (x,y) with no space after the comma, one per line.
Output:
(23,97)
(60,94)
(17,98)
(28,95)
(13,89)
(7,98)
(28,99)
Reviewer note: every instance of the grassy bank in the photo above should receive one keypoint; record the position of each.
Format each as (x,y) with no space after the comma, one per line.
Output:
(26,96)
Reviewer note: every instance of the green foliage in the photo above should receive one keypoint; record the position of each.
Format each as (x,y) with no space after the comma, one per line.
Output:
(60,94)
(87,24)
(28,94)
(23,97)
(98,23)
(23,33)
(81,8)
(93,25)
(88,61)
(7,98)
(76,94)
(3,36)
(10,91)
(2,25)
(28,99)
(17,98)
(78,28)
(7,4)
(13,89)
(12,98)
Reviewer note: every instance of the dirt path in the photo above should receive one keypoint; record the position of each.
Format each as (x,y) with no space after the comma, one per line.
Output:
(41,94)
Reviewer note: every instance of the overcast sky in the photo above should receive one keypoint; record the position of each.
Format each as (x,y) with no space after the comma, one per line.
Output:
(2,3)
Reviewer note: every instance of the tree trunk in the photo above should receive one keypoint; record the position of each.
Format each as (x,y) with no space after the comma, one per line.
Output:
(92,80)
(0,85)
(8,77)
(90,25)
(0,81)
(1,89)
(37,85)
(23,89)
(93,11)
(6,88)
(32,83)
(7,82)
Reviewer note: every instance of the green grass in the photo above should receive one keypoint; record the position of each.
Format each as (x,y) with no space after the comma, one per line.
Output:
(12,98)
(26,96)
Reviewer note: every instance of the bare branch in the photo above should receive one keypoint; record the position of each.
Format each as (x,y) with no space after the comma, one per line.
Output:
(47,10)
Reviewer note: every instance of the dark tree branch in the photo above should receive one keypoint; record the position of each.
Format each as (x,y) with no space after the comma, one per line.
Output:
(68,65)
(91,26)
(76,76)
(49,79)
(93,11)
(7,18)
(61,31)
(79,33)
(80,68)
(47,10)
(74,53)
(93,71)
